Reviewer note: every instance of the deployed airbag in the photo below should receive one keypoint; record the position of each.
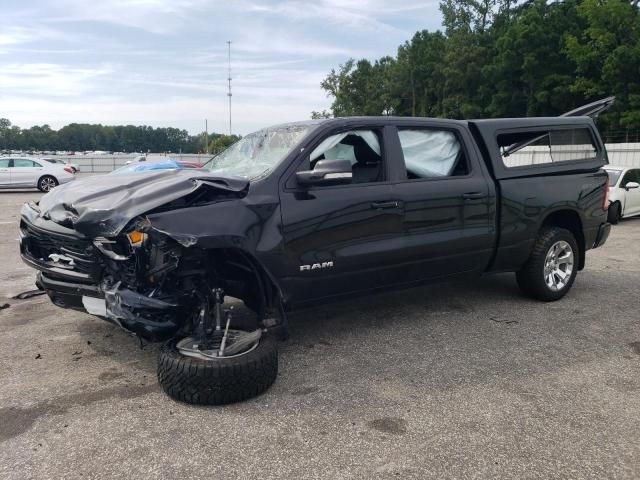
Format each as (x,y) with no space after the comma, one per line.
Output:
(429,153)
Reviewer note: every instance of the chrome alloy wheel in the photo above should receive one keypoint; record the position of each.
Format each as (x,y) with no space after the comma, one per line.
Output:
(558,266)
(47,184)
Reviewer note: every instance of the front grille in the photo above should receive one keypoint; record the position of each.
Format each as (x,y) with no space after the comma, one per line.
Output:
(44,246)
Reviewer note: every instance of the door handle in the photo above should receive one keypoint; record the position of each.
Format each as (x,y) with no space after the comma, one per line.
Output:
(381,205)
(474,195)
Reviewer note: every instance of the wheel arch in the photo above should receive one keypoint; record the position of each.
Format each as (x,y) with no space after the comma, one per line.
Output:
(268,293)
(569,220)
(47,175)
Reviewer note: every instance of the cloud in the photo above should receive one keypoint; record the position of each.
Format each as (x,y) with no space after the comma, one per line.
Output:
(365,15)
(155,16)
(16,35)
(48,79)
(164,62)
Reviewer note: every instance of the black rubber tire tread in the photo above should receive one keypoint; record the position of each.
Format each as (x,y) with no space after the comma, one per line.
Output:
(531,277)
(46,176)
(614,213)
(221,381)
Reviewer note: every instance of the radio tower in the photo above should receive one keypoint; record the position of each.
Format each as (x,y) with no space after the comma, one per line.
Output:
(229,80)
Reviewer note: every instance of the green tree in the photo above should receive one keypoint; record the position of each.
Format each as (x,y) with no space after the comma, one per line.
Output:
(607,58)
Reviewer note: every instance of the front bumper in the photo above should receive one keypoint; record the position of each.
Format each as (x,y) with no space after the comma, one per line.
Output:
(72,272)
(603,234)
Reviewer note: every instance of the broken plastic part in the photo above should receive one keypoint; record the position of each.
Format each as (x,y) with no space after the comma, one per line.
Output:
(184,240)
(102,245)
(28,294)
(150,318)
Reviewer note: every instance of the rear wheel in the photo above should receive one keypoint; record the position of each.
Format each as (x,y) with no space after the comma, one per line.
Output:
(614,213)
(47,183)
(552,267)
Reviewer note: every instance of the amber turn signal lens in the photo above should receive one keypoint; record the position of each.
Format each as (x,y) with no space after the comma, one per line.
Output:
(135,237)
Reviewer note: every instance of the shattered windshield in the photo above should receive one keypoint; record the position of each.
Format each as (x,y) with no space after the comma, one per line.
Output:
(258,153)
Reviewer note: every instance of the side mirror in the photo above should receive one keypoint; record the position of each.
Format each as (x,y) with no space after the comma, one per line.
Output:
(327,172)
(631,185)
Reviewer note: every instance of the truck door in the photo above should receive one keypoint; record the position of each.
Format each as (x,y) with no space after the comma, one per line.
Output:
(343,238)
(449,222)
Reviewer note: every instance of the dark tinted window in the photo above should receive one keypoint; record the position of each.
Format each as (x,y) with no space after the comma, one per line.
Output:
(546,146)
(630,176)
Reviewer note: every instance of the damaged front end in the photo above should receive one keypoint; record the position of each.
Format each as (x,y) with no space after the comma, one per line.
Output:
(145,292)
(151,280)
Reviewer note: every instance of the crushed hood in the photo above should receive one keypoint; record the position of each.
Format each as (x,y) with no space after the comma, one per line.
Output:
(102,205)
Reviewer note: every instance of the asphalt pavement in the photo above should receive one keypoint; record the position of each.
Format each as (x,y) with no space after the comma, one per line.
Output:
(458,380)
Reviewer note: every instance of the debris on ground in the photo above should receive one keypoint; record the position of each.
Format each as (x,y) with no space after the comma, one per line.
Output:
(28,294)
(506,322)
(4,305)
(38,357)
(77,352)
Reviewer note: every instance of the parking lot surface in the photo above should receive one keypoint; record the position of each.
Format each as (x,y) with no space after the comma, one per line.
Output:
(458,380)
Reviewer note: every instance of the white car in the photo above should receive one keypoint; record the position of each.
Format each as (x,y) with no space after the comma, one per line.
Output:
(17,172)
(624,192)
(59,161)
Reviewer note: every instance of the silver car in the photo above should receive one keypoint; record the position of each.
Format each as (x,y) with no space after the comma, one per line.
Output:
(20,172)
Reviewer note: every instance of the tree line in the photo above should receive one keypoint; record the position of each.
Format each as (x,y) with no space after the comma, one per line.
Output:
(502,58)
(119,138)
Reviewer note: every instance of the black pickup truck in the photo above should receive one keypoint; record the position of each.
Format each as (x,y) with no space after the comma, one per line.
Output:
(301,214)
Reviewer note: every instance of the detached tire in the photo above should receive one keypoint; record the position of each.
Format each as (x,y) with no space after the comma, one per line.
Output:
(552,267)
(217,381)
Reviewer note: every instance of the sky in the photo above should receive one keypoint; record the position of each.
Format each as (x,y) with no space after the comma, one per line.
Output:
(164,62)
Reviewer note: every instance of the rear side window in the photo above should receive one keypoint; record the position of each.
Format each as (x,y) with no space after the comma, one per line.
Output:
(526,148)
(23,162)
(432,154)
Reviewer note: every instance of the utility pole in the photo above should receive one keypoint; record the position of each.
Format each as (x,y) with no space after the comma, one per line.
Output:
(206,136)
(229,80)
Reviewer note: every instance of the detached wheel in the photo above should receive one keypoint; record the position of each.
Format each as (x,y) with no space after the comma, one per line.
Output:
(614,214)
(552,267)
(47,183)
(192,375)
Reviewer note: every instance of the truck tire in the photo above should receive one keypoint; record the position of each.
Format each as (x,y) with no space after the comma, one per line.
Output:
(217,381)
(614,213)
(552,267)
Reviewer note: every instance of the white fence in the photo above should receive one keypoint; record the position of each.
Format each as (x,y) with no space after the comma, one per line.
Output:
(620,154)
(108,163)
(624,154)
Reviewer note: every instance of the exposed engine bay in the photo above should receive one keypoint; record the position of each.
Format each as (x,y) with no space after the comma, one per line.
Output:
(155,286)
